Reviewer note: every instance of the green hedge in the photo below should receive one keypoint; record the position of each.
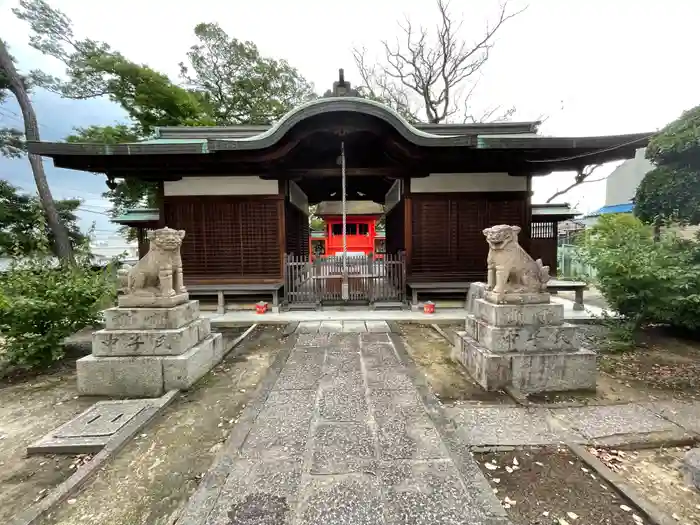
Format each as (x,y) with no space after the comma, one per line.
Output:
(42,304)
(645,281)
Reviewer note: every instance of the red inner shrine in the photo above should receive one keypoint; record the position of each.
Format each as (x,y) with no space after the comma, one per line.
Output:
(360,225)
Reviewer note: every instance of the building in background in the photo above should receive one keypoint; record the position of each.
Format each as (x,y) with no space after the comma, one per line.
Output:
(362,237)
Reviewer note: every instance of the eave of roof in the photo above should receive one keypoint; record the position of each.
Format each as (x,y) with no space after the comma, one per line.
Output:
(558,211)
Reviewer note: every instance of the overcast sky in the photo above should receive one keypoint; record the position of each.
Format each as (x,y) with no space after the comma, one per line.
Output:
(593,67)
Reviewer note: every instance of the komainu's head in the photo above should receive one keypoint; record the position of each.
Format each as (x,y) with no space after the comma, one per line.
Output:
(501,236)
(166,238)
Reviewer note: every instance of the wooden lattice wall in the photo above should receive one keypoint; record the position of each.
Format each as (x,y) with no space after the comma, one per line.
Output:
(394,224)
(296,225)
(447,240)
(229,239)
(544,243)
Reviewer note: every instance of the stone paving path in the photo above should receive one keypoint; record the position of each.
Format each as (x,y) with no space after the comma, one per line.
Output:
(603,425)
(329,327)
(346,434)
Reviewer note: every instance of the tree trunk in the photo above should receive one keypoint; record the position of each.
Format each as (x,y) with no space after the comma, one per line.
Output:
(31,131)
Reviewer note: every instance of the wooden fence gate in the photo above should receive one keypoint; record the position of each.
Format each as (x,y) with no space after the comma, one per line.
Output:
(371,280)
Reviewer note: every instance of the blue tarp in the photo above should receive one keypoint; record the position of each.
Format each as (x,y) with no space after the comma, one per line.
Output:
(613,208)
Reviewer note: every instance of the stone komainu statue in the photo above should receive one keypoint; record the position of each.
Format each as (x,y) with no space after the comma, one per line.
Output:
(510,268)
(159,272)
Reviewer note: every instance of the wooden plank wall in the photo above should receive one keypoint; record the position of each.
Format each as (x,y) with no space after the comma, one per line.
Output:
(229,239)
(446,232)
(544,244)
(296,225)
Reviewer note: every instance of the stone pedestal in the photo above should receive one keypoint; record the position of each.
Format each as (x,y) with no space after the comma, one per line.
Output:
(146,351)
(520,340)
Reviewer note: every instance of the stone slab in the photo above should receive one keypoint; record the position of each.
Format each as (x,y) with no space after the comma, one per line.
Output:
(309,327)
(151,318)
(553,371)
(257,489)
(340,403)
(299,377)
(684,414)
(391,378)
(529,338)
(354,327)
(376,337)
(353,499)
(519,315)
(379,355)
(404,430)
(378,327)
(502,425)
(120,376)
(426,493)
(517,298)
(331,327)
(342,448)
(182,371)
(691,468)
(122,343)
(490,370)
(597,422)
(144,301)
(281,429)
(90,431)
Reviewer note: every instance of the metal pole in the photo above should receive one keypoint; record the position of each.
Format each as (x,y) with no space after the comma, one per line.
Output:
(344,287)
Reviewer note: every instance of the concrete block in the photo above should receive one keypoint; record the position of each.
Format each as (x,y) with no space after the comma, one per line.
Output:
(529,338)
(553,371)
(182,371)
(691,468)
(489,369)
(151,318)
(121,343)
(519,315)
(120,376)
(145,301)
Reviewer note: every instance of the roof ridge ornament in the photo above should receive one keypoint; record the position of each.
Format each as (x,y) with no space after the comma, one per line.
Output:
(341,88)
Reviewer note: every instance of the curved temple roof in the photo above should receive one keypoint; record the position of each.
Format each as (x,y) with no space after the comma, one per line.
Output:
(560,151)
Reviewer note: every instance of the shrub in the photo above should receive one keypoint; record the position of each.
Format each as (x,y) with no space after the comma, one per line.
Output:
(645,281)
(41,304)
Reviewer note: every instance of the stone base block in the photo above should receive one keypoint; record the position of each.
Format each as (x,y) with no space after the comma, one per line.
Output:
(553,371)
(120,376)
(517,298)
(488,369)
(123,343)
(145,301)
(529,338)
(691,468)
(151,318)
(183,371)
(148,376)
(519,315)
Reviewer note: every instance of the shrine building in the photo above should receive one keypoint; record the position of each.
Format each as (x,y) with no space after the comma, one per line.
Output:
(242,193)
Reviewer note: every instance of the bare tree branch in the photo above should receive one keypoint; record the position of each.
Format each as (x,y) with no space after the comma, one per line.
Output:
(581,178)
(433,67)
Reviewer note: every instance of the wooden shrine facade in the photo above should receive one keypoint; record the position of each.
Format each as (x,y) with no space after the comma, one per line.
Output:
(242,193)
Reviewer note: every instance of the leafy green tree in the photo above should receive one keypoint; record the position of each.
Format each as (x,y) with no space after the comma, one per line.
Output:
(228,81)
(23,225)
(19,87)
(671,191)
(239,85)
